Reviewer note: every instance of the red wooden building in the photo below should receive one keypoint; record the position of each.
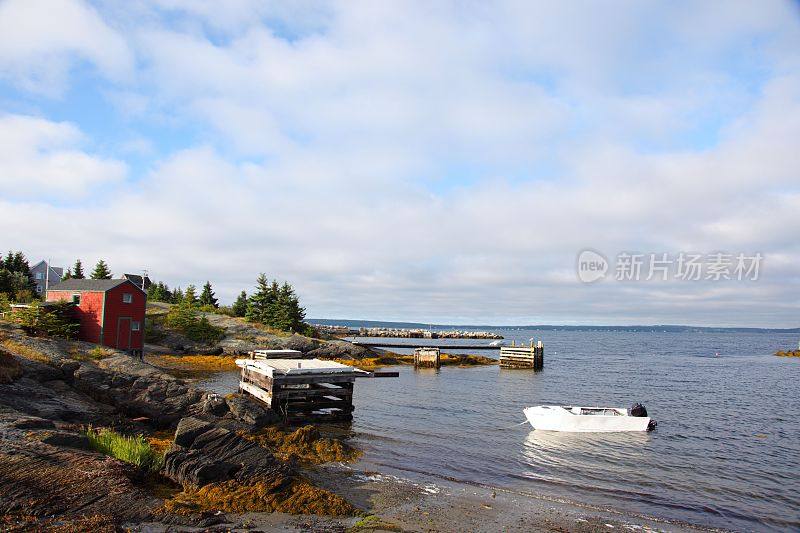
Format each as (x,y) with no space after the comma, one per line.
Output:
(111,311)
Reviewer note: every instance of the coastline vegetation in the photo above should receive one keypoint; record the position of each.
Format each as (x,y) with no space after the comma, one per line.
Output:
(790,353)
(391,358)
(192,366)
(135,450)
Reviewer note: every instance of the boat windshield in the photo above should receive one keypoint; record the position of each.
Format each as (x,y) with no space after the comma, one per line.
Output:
(598,412)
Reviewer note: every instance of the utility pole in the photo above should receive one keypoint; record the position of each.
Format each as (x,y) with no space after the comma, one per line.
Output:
(144,277)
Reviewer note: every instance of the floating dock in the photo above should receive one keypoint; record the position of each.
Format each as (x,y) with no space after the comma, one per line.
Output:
(523,356)
(303,390)
(427,358)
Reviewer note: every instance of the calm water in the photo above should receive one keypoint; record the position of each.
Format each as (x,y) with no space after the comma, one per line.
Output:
(726,452)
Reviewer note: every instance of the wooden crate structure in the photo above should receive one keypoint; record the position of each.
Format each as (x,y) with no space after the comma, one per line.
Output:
(522,356)
(427,357)
(302,390)
(275,354)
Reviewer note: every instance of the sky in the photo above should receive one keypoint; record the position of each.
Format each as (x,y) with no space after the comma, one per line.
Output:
(442,162)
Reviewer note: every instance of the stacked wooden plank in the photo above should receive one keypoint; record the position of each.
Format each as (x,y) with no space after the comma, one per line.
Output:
(522,356)
(275,354)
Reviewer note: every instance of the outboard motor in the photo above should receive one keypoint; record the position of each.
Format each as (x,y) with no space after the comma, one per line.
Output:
(651,425)
(637,410)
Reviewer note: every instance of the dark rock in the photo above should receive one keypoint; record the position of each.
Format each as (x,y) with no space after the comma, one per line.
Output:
(205,453)
(189,429)
(215,405)
(249,411)
(215,350)
(67,439)
(340,350)
(32,423)
(303,344)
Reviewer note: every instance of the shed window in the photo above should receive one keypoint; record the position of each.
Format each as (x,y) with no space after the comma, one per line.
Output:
(135,326)
(127,298)
(76,299)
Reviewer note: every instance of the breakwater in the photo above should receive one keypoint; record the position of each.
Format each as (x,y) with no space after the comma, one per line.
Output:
(406,333)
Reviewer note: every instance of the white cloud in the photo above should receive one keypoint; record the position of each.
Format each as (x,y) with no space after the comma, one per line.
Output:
(40,159)
(444,161)
(42,39)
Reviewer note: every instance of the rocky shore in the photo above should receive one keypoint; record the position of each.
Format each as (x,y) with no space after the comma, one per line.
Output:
(51,391)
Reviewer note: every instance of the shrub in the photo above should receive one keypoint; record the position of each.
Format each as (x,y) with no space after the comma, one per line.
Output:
(134,450)
(152,335)
(5,305)
(186,319)
(55,320)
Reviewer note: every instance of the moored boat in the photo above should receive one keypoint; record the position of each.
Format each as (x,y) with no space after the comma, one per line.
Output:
(589,419)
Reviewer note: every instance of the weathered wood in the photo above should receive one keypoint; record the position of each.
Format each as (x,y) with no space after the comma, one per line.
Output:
(427,357)
(522,357)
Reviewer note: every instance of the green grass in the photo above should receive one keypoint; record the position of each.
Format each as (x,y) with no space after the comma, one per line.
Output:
(134,450)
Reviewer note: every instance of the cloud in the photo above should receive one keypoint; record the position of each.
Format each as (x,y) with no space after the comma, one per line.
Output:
(439,162)
(39,159)
(43,39)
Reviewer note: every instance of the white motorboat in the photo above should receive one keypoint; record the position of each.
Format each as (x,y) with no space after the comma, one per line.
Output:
(589,419)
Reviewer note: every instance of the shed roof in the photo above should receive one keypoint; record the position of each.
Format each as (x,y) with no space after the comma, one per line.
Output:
(93,285)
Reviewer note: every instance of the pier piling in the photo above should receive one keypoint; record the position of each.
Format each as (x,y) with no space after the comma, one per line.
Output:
(523,356)
(427,358)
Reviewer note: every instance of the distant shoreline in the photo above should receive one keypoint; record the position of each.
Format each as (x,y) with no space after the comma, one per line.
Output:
(549,327)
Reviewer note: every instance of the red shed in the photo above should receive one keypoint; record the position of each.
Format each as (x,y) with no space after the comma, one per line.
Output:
(111,311)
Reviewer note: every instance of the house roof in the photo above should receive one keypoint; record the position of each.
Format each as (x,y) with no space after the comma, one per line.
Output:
(94,285)
(58,270)
(136,279)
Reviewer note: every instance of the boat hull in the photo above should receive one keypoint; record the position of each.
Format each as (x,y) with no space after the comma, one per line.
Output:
(557,418)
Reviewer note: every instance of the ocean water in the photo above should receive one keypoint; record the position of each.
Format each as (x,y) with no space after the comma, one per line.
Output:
(726,452)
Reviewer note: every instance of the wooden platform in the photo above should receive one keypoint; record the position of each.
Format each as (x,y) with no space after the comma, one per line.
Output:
(303,390)
(523,356)
(427,358)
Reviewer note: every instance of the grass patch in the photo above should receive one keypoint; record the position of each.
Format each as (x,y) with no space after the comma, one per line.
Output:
(305,445)
(95,354)
(192,366)
(278,494)
(25,351)
(135,450)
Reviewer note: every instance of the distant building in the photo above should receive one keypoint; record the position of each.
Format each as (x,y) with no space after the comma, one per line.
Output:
(111,311)
(40,277)
(138,281)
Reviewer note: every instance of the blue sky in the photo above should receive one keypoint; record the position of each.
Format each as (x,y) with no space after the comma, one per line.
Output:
(433,162)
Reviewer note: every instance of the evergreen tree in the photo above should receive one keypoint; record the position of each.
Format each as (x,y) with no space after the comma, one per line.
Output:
(207,296)
(177,295)
(239,307)
(159,292)
(77,270)
(190,297)
(260,306)
(67,275)
(16,280)
(101,271)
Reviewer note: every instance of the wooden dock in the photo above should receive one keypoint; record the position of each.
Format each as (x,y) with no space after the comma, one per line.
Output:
(303,390)
(427,358)
(523,356)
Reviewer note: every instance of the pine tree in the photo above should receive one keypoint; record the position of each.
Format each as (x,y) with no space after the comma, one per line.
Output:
(101,271)
(177,296)
(260,306)
(239,307)
(67,275)
(190,297)
(207,296)
(291,313)
(77,270)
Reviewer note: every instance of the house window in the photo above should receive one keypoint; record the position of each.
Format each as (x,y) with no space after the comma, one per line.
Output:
(39,275)
(127,298)
(39,289)
(135,326)
(76,299)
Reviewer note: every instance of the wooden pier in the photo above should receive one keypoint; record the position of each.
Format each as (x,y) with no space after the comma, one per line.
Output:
(303,390)
(275,354)
(427,358)
(522,356)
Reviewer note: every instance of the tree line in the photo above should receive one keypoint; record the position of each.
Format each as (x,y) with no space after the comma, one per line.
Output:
(272,304)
